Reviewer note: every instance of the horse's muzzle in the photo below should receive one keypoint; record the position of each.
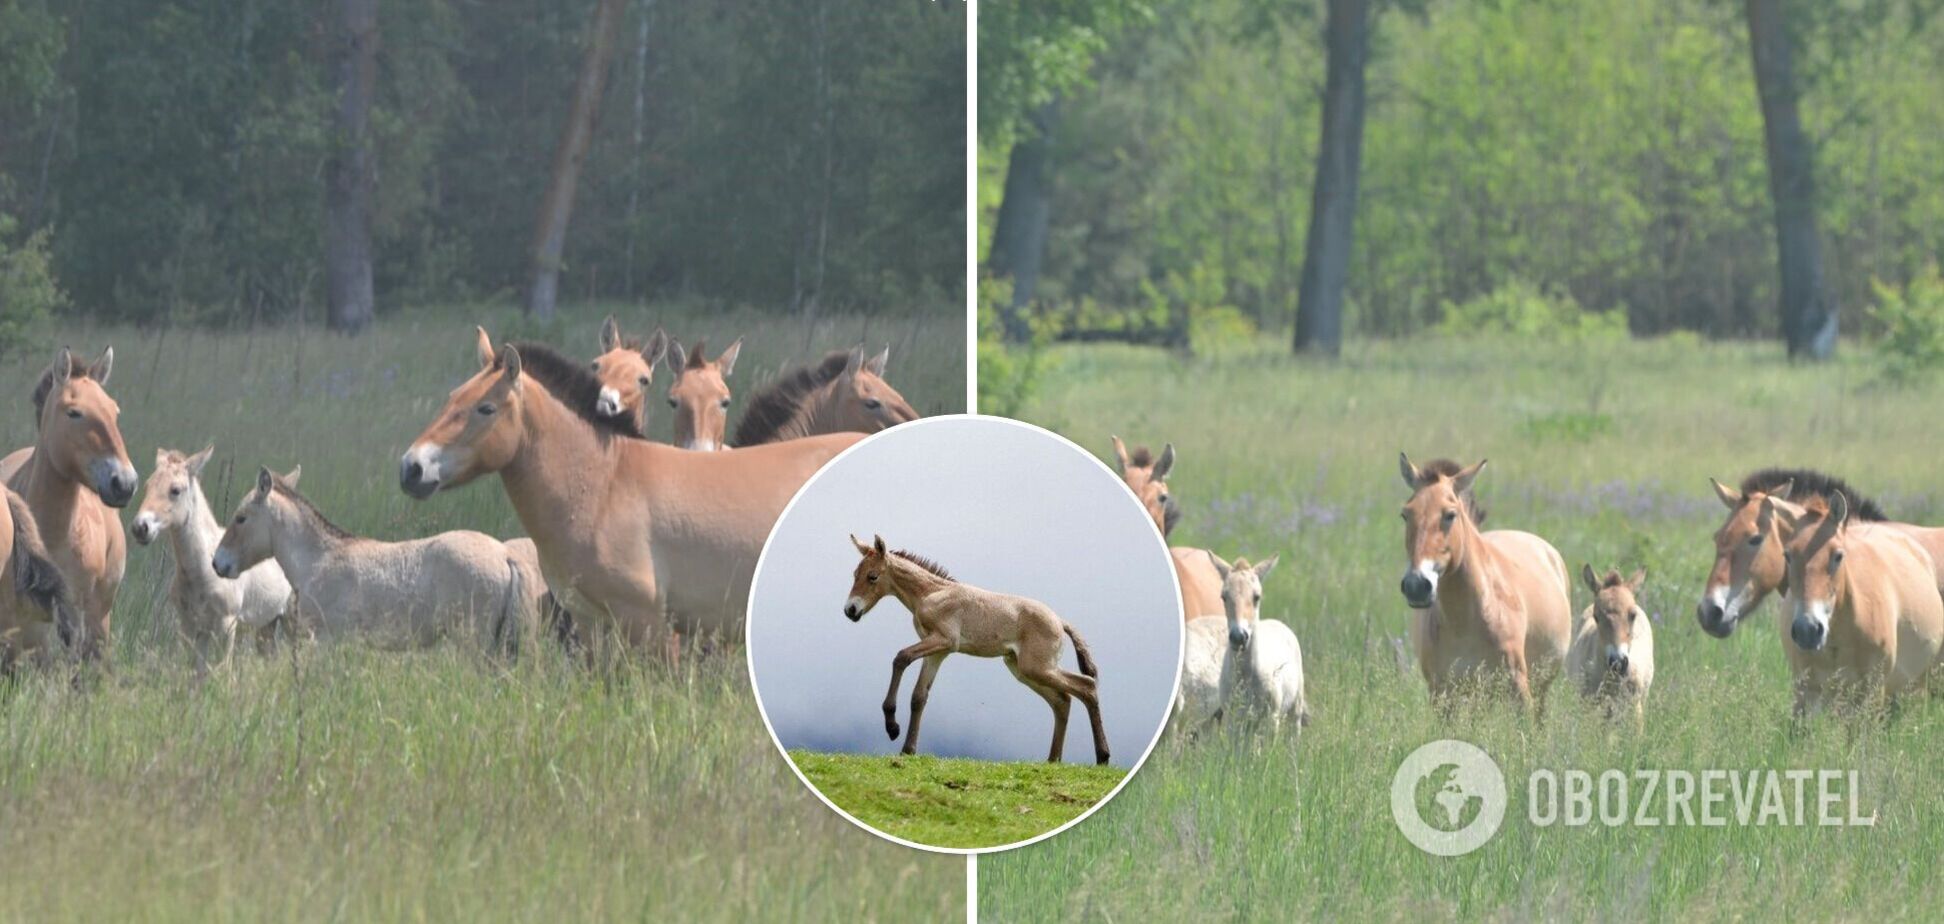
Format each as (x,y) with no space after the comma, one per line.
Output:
(223,565)
(1617,663)
(412,479)
(1417,589)
(143,529)
(852,612)
(1713,619)
(114,482)
(1809,635)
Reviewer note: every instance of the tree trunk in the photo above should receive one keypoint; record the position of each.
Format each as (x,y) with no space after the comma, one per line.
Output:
(1019,232)
(353,170)
(1333,199)
(635,166)
(1808,310)
(557,204)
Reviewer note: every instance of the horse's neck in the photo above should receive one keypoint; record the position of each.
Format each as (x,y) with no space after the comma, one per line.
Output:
(811,417)
(1474,574)
(194,541)
(54,499)
(913,584)
(303,546)
(556,479)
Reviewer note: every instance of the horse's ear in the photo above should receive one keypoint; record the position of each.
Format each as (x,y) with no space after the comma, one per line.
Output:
(1638,580)
(265,480)
(1408,471)
(1164,464)
(290,478)
(102,366)
(877,363)
(509,362)
(654,349)
(483,347)
(1839,508)
(1587,576)
(1120,457)
(674,356)
(1263,567)
(854,361)
(877,544)
(1784,489)
(862,548)
(610,334)
(1776,510)
(63,368)
(197,461)
(1462,482)
(1221,567)
(726,363)
(1730,498)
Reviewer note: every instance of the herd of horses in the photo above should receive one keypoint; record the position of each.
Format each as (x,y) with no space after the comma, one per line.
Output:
(1863,621)
(630,541)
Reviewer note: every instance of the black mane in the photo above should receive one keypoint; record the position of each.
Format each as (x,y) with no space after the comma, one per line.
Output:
(569,381)
(778,403)
(921,561)
(284,489)
(1811,483)
(1445,468)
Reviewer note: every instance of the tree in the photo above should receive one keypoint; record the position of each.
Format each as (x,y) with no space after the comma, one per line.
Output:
(1019,231)
(1808,311)
(353,170)
(557,203)
(1333,200)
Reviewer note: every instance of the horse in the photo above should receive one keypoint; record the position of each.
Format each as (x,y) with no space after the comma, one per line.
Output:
(700,395)
(1748,563)
(1612,657)
(209,609)
(1487,602)
(405,594)
(844,393)
(1145,475)
(951,616)
(629,533)
(34,604)
(1868,622)
(1239,662)
(626,367)
(76,471)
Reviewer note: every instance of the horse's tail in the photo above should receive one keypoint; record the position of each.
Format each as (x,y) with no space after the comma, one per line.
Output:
(1081,651)
(506,630)
(560,620)
(35,575)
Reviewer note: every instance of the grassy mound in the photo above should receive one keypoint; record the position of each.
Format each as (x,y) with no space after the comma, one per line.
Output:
(948,802)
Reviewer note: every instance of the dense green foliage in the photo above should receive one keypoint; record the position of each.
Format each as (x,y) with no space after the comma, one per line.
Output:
(1912,345)
(951,802)
(1603,448)
(766,154)
(1611,153)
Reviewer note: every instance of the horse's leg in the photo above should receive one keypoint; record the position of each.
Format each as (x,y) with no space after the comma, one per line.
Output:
(920,693)
(1083,688)
(1515,660)
(925,648)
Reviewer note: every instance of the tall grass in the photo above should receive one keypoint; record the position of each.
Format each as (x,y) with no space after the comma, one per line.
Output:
(1602,448)
(346,784)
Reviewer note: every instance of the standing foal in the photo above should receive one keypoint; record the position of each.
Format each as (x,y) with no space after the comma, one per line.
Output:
(951,616)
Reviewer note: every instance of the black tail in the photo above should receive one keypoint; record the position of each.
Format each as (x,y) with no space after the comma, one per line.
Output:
(35,576)
(561,621)
(1080,651)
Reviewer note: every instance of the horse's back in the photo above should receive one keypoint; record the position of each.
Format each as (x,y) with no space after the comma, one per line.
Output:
(1538,576)
(1908,572)
(1201,584)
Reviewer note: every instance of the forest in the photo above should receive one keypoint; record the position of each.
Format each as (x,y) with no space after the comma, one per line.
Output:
(1158,170)
(235,161)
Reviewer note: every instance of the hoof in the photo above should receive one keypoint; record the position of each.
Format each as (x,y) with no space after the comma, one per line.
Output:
(891,730)
(908,750)
(1100,757)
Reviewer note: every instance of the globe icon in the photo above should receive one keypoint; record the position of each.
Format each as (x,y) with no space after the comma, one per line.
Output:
(1448,797)
(1451,795)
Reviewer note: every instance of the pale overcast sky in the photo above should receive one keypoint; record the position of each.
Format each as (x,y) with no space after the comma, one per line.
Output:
(1004,508)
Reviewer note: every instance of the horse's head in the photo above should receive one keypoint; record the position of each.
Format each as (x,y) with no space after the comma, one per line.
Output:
(1748,561)
(1439,520)
(251,534)
(1146,476)
(78,427)
(871,580)
(626,367)
(863,401)
(1616,613)
(1817,543)
(1242,595)
(171,494)
(477,432)
(700,395)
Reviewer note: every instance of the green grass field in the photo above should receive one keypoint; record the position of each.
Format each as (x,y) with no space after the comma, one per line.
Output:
(1605,452)
(953,802)
(356,785)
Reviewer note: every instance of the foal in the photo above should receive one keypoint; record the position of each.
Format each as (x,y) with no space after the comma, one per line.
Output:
(1239,662)
(845,393)
(626,368)
(955,617)
(1201,587)
(1612,658)
(210,609)
(700,396)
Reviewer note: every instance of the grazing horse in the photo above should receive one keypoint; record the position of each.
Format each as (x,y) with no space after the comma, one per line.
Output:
(1867,621)
(1748,563)
(700,395)
(845,393)
(1612,658)
(626,367)
(630,533)
(1239,662)
(76,472)
(1487,601)
(1145,475)
(951,616)
(395,594)
(209,608)
(34,607)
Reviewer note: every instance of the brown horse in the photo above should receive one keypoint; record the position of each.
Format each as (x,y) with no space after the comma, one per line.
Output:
(76,472)
(1487,602)
(1868,622)
(951,616)
(1145,475)
(1748,563)
(626,367)
(629,532)
(700,395)
(34,607)
(845,393)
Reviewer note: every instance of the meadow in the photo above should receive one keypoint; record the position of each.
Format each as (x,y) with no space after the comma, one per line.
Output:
(1605,449)
(955,802)
(340,783)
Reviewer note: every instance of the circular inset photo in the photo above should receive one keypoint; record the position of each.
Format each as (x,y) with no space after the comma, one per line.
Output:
(965,633)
